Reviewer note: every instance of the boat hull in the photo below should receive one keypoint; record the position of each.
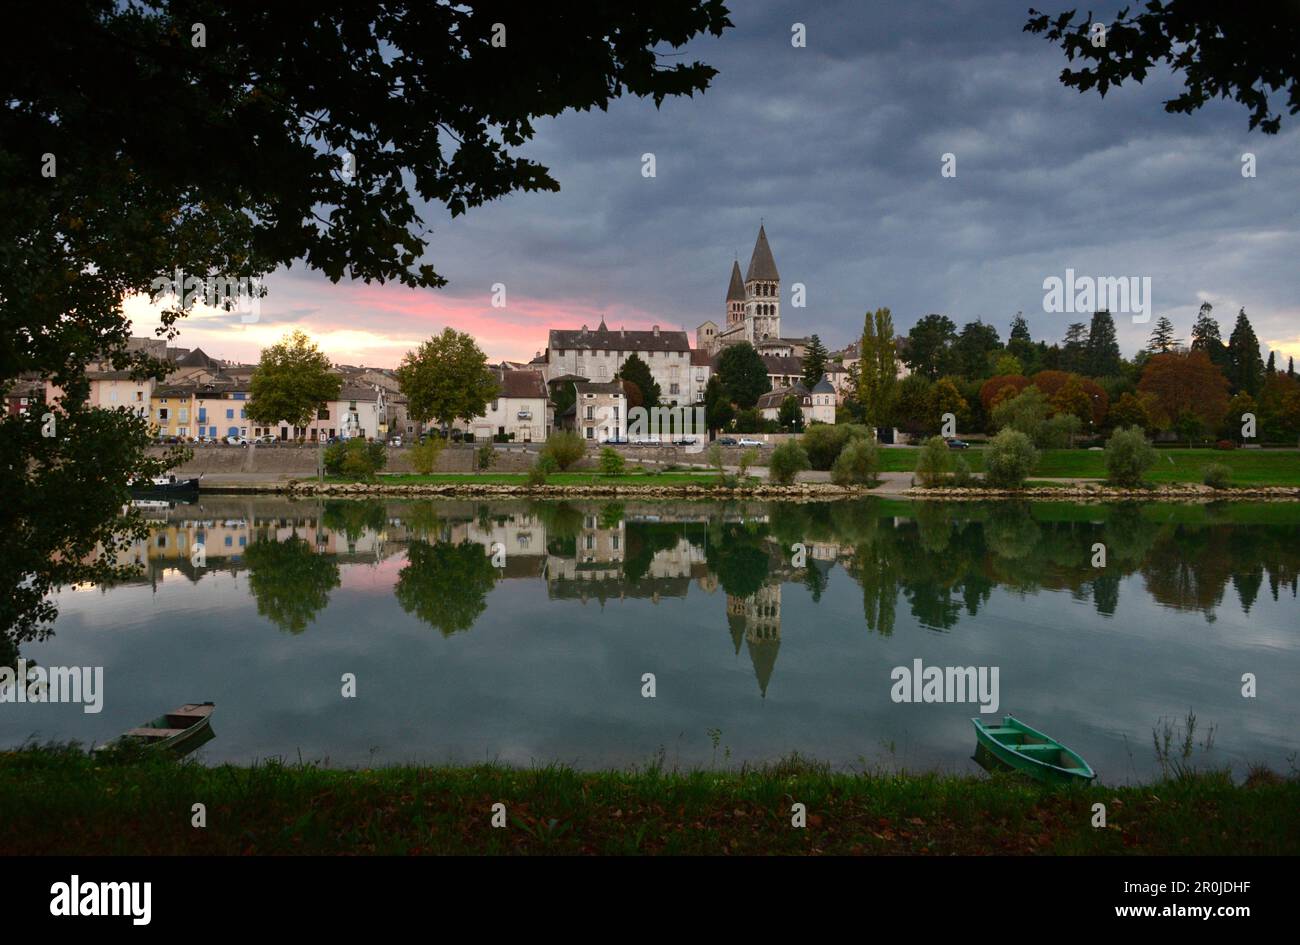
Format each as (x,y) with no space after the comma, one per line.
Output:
(1029,751)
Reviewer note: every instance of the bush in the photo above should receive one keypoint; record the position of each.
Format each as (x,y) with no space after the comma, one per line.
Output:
(355,458)
(542,469)
(1128,456)
(334,458)
(747,459)
(611,462)
(857,464)
(961,474)
(485,456)
(1225,445)
(788,460)
(424,456)
(565,447)
(1216,476)
(823,442)
(934,462)
(714,457)
(1058,432)
(1009,459)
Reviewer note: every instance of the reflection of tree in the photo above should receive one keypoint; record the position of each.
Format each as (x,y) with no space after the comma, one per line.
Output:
(612,515)
(1127,536)
(445,584)
(933,524)
(563,523)
(644,541)
(816,578)
(738,556)
(1011,531)
(289,581)
(354,518)
(422,520)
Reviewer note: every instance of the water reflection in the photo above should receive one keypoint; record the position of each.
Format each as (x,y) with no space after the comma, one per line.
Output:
(941,561)
(561,602)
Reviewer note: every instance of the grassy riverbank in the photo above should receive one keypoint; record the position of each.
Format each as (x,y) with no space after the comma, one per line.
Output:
(1249,467)
(62,802)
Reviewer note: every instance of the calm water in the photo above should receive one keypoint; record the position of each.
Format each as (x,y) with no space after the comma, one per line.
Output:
(520,631)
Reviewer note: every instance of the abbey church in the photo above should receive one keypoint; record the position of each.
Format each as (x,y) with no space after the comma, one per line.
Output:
(753,309)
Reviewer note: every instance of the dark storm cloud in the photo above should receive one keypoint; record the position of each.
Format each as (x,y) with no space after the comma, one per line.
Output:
(837,147)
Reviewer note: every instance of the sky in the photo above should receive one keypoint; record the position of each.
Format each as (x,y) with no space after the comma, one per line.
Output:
(838,149)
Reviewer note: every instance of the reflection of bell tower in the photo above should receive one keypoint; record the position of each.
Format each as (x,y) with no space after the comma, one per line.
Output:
(757,620)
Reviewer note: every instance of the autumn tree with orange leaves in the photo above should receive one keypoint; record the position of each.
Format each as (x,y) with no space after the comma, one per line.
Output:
(1189,389)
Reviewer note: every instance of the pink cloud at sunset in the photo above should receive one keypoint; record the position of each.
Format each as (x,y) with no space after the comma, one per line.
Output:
(376,324)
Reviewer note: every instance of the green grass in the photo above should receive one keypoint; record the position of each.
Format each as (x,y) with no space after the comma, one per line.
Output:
(1249,467)
(59,801)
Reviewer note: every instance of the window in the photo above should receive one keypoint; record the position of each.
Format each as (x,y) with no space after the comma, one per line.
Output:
(494,405)
(230,414)
(591,413)
(590,431)
(185,415)
(673,389)
(162,413)
(323,413)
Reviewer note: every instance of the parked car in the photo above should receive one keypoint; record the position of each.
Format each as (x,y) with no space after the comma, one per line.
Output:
(750,441)
(955,444)
(726,441)
(395,440)
(205,440)
(235,440)
(685,441)
(266,439)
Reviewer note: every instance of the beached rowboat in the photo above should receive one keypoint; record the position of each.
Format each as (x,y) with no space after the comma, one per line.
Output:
(1026,749)
(177,731)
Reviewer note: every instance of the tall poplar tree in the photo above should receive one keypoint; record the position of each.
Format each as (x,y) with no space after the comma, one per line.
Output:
(878,369)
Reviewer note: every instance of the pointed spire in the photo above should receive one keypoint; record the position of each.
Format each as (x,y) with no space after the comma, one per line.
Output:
(761,265)
(736,290)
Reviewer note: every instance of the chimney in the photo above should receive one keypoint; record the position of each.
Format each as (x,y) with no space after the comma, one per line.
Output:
(655,329)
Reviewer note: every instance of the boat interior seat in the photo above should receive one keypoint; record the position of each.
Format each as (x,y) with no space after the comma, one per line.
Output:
(155,732)
(1003,731)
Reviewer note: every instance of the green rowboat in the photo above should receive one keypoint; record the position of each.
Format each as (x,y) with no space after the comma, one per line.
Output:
(1040,756)
(180,731)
